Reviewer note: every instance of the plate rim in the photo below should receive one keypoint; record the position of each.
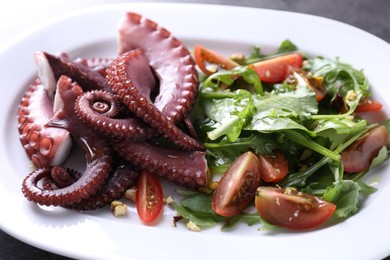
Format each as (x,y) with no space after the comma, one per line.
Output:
(82,12)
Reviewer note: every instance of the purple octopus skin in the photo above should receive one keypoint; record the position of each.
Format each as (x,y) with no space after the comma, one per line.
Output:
(44,146)
(88,78)
(97,151)
(97,109)
(170,60)
(186,168)
(123,178)
(126,85)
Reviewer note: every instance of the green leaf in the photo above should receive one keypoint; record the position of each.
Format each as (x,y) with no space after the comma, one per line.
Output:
(201,221)
(228,77)
(200,203)
(287,46)
(345,194)
(339,79)
(380,158)
(249,219)
(230,114)
(221,154)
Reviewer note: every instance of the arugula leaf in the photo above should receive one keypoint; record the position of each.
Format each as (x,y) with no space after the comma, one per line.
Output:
(229,114)
(287,46)
(202,221)
(340,79)
(249,219)
(228,77)
(255,55)
(197,208)
(345,194)
(221,154)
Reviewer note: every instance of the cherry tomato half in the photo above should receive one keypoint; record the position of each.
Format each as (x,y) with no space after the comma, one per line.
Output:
(274,167)
(368,105)
(277,69)
(203,55)
(291,209)
(360,154)
(149,197)
(237,186)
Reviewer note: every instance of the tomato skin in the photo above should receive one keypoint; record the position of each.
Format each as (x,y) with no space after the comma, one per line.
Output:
(237,186)
(360,154)
(368,105)
(277,69)
(274,167)
(291,209)
(203,55)
(149,197)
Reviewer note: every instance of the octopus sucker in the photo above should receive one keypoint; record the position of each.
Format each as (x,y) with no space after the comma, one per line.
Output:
(123,178)
(127,86)
(136,32)
(34,112)
(97,152)
(187,168)
(127,114)
(127,128)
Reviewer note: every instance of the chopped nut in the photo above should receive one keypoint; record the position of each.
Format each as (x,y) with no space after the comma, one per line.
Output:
(192,226)
(213,185)
(118,208)
(130,194)
(237,57)
(115,203)
(169,200)
(351,95)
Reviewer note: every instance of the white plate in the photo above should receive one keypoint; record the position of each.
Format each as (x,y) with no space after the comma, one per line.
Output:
(99,235)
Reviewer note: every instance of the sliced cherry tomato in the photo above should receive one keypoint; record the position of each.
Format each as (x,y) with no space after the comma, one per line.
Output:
(292,209)
(237,186)
(360,154)
(274,167)
(277,69)
(149,197)
(368,105)
(204,56)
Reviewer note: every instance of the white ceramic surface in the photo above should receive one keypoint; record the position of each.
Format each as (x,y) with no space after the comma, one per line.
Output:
(99,235)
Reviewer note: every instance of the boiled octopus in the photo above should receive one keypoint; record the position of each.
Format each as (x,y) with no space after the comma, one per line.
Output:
(128,114)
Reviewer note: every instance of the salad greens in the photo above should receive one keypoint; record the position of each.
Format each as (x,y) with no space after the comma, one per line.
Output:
(237,112)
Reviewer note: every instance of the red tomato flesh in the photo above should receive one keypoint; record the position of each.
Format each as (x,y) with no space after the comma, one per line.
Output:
(274,167)
(368,105)
(149,197)
(204,55)
(237,186)
(291,209)
(360,154)
(277,69)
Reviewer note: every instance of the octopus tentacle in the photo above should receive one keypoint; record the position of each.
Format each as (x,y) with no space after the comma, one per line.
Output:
(187,168)
(127,86)
(88,106)
(170,59)
(122,179)
(97,152)
(64,177)
(93,177)
(44,145)
(89,79)
(98,64)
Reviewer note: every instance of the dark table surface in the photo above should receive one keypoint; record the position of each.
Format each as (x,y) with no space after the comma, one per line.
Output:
(370,15)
